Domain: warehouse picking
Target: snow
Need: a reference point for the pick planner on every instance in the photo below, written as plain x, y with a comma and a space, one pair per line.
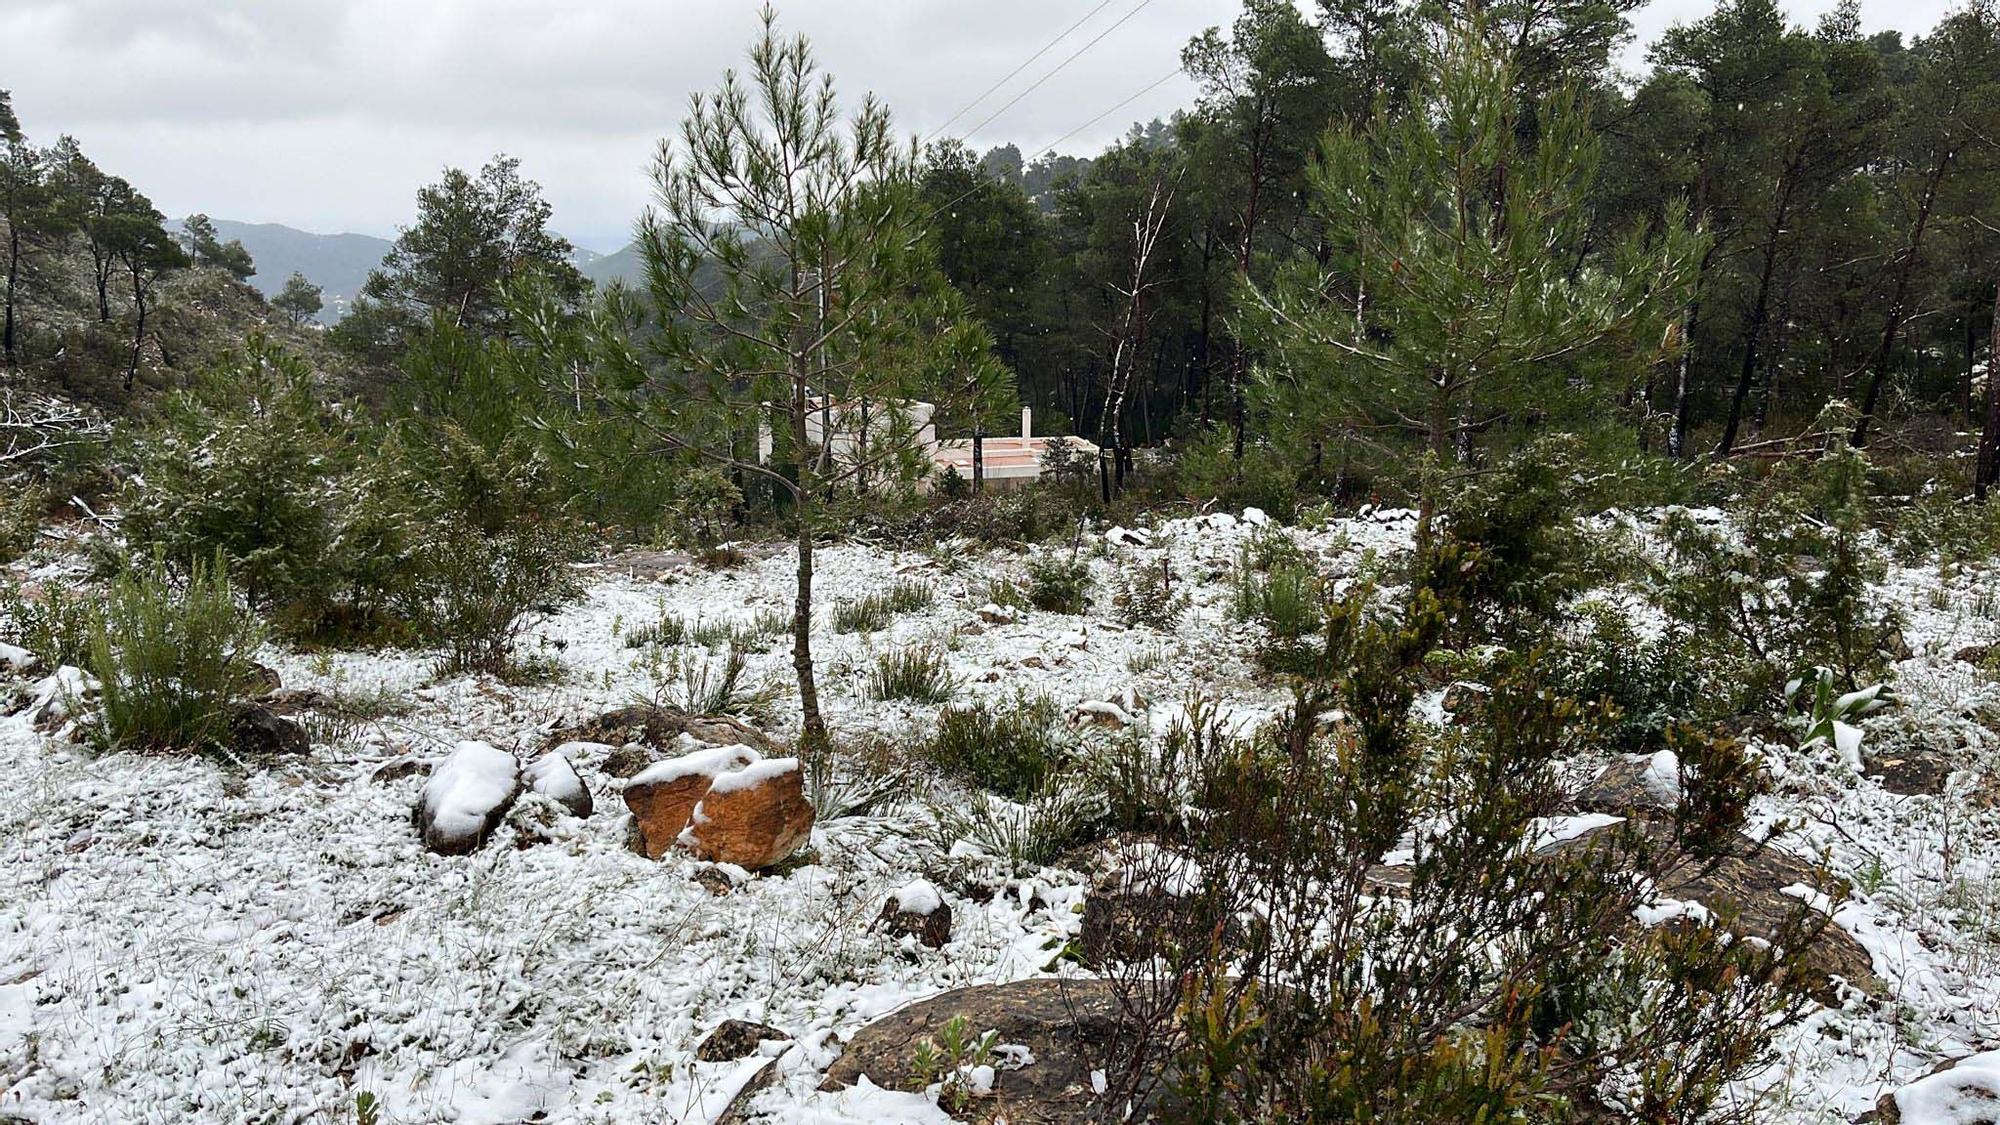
16, 657
187, 940
917, 897
754, 774
464, 791
553, 777
710, 762
1967, 1094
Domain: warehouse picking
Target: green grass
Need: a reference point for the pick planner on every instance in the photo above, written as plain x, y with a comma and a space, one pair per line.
920, 674
866, 615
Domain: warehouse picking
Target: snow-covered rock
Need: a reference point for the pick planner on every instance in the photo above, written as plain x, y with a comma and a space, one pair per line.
663, 796
553, 776
466, 797
67, 693
14, 658
752, 817
917, 910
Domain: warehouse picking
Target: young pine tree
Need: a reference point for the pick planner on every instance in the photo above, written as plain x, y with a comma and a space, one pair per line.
1457, 293
792, 284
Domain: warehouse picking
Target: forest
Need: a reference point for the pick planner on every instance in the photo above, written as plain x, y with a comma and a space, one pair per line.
1446, 581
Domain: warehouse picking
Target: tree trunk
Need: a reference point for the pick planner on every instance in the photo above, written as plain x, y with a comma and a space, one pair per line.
1989, 437
1898, 306
138, 328
14, 288
1760, 310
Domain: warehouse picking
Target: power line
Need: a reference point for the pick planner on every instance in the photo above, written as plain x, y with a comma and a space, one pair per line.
1149, 88
1046, 47
1037, 83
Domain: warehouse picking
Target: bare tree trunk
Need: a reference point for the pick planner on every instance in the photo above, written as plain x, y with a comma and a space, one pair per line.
1760, 311
813, 739
138, 328
13, 290
1989, 436
1898, 307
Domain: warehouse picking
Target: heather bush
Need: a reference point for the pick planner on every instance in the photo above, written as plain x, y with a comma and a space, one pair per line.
1012, 747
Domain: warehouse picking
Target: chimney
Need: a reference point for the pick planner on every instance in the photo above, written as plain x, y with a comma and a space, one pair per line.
1027, 424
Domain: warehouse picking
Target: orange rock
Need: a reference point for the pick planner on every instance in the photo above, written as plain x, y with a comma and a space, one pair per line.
663, 796
752, 817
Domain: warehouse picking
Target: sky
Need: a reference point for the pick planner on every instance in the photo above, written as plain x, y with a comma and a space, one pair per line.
328, 114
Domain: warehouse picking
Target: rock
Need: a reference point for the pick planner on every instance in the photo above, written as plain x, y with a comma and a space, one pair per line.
18, 660
1256, 517
1973, 654
1069, 1027
398, 768
554, 777
1464, 701
628, 760
663, 796
257, 731
466, 797
1135, 909
736, 1039
1896, 646
63, 695
660, 727
1750, 885
1639, 786
262, 680
1958, 1092
918, 911
715, 881
995, 614
1101, 713
752, 817
1910, 771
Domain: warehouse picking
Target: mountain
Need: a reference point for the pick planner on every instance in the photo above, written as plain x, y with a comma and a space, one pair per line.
337, 263
624, 266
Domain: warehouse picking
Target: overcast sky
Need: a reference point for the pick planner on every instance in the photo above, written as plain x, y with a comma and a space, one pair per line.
328, 114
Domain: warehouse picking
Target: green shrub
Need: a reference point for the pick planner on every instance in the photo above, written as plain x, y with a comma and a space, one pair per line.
57, 628
174, 657
1058, 583
22, 505
1147, 596
473, 593
1021, 836
710, 682
1787, 591
920, 674
1012, 748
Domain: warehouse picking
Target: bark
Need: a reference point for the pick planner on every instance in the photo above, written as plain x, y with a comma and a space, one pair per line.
138, 326
1989, 436
1899, 305
1760, 311
13, 290
813, 739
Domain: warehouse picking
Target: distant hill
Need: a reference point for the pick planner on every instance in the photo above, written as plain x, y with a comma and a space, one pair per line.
623, 266
337, 263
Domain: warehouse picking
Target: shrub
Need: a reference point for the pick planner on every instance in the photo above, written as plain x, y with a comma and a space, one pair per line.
57, 628
1059, 584
247, 464
870, 613
1504, 984
1788, 591
1146, 596
495, 555
1011, 749
1020, 836
700, 505
920, 674
174, 658
711, 683
1651, 682
22, 505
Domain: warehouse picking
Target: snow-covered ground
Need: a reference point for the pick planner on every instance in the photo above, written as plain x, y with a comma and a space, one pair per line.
182, 940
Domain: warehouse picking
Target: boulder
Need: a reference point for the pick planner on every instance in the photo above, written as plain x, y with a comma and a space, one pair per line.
1069, 1028
1638, 786
663, 796
918, 911
1910, 770
258, 731
263, 680
1973, 654
751, 817
736, 1039
1958, 1092
400, 767
1756, 888
627, 760
995, 614
554, 777
466, 797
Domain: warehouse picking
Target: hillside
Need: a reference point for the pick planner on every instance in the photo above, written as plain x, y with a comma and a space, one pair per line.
337, 263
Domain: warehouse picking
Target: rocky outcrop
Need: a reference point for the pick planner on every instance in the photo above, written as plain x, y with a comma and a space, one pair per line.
660, 728
466, 797
1639, 786
1070, 1028
751, 817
